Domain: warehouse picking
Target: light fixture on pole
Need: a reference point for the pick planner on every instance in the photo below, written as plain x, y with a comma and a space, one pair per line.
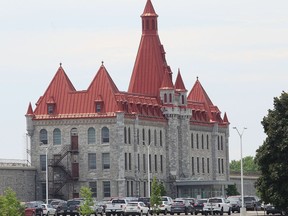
243, 209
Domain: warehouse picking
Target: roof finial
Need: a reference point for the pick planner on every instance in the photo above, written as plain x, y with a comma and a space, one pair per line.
197, 78
102, 62
60, 64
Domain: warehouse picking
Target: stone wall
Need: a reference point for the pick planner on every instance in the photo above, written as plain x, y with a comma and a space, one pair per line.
20, 179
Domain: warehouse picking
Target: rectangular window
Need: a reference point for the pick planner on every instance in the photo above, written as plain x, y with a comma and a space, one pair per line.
155, 163
198, 169
144, 188
197, 141
192, 164
222, 164
125, 160
106, 160
208, 165
130, 161
192, 140
106, 189
219, 166
150, 163
138, 136
98, 107
43, 162
93, 187
203, 165
138, 162
161, 141
132, 188
43, 189
91, 161
127, 188
144, 163
161, 163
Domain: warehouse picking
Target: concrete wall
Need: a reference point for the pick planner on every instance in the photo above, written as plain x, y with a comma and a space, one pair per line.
248, 183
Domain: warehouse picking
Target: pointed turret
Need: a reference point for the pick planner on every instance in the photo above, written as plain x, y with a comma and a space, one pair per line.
150, 64
29, 110
181, 90
225, 118
179, 84
29, 122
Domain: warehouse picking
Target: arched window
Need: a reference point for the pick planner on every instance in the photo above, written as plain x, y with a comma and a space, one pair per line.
161, 138
149, 137
165, 98
155, 137
192, 140
218, 138
43, 136
105, 135
91, 136
129, 135
147, 25
221, 142
170, 98
143, 136
125, 135
183, 99
57, 136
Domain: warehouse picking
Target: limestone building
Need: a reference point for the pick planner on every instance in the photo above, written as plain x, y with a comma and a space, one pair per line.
100, 137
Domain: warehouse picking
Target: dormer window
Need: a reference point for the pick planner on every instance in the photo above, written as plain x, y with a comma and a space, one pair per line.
50, 108
51, 105
98, 107
99, 103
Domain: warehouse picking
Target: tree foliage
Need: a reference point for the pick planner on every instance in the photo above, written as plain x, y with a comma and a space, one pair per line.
249, 165
10, 205
272, 156
231, 190
162, 189
155, 197
86, 194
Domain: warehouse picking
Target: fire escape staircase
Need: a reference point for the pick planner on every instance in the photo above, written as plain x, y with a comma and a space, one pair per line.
64, 174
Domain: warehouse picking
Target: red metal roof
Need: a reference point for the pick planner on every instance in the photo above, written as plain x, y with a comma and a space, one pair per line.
179, 84
150, 64
150, 73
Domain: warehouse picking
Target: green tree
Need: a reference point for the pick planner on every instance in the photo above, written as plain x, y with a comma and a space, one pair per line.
86, 194
271, 157
9, 204
162, 189
231, 190
155, 197
249, 165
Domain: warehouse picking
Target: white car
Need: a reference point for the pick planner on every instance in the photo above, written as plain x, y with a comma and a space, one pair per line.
136, 208
217, 205
48, 210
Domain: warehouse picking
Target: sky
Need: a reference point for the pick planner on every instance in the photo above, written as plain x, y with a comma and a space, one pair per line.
238, 49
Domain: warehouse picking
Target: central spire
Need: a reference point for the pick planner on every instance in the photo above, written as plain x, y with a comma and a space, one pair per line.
149, 19
150, 64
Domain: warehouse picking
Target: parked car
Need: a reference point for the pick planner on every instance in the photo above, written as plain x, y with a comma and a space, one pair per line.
33, 209
252, 203
71, 207
116, 206
270, 209
198, 205
235, 202
98, 209
48, 210
57, 204
181, 206
145, 200
217, 205
136, 208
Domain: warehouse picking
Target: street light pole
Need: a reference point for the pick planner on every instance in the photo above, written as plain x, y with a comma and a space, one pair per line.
47, 175
243, 209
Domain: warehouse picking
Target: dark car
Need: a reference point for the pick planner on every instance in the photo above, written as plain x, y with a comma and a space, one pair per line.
252, 203
33, 209
270, 209
181, 206
198, 205
71, 207
145, 200
235, 202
